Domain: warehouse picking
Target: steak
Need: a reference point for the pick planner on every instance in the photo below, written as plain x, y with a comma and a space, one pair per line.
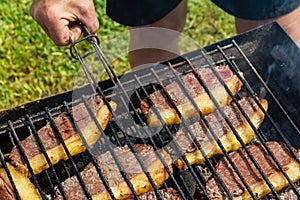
251, 174
69, 134
26, 189
224, 133
289, 194
115, 179
167, 194
196, 91
6, 192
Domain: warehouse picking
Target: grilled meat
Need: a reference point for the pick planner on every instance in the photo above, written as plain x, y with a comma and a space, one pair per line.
289, 194
26, 189
251, 174
196, 91
71, 138
113, 175
167, 194
221, 129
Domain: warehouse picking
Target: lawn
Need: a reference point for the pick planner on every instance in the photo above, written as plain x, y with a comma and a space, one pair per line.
32, 67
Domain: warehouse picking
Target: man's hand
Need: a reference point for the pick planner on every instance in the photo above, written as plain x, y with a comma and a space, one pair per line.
57, 18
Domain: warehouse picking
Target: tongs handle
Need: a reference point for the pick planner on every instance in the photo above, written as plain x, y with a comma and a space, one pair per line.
94, 40
88, 36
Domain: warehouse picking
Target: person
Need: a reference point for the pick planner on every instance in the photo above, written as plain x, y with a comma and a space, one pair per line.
155, 26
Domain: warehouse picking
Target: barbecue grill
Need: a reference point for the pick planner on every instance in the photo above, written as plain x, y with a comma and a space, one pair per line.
268, 59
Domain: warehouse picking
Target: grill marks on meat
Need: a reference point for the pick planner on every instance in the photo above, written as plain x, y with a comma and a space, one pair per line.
69, 134
167, 194
289, 194
26, 189
196, 91
221, 129
251, 174
6, 192
114, 178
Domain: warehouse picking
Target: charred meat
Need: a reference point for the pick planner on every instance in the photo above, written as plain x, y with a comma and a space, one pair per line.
222, 130
167, 194
251, 174
114, 177
69, 134
26, 189
197, 92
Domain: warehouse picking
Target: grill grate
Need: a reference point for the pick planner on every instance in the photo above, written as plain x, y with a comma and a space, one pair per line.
242, 53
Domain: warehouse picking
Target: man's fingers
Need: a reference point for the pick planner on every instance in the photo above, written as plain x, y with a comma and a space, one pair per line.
93, 25
87, 15
75, 31
59, 33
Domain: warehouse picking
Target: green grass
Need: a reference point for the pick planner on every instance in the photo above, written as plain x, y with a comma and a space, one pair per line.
32, 67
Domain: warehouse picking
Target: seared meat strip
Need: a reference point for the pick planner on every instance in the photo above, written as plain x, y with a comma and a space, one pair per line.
72, 139
167, 194
5, 191
251, 174
25, 188
289, 194
221, 129
196, 91
114, 178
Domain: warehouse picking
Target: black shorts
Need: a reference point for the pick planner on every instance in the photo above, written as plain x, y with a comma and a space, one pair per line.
143, 12
257, 9
139, 12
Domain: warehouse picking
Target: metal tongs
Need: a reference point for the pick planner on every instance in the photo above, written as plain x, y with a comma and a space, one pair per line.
95, 42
